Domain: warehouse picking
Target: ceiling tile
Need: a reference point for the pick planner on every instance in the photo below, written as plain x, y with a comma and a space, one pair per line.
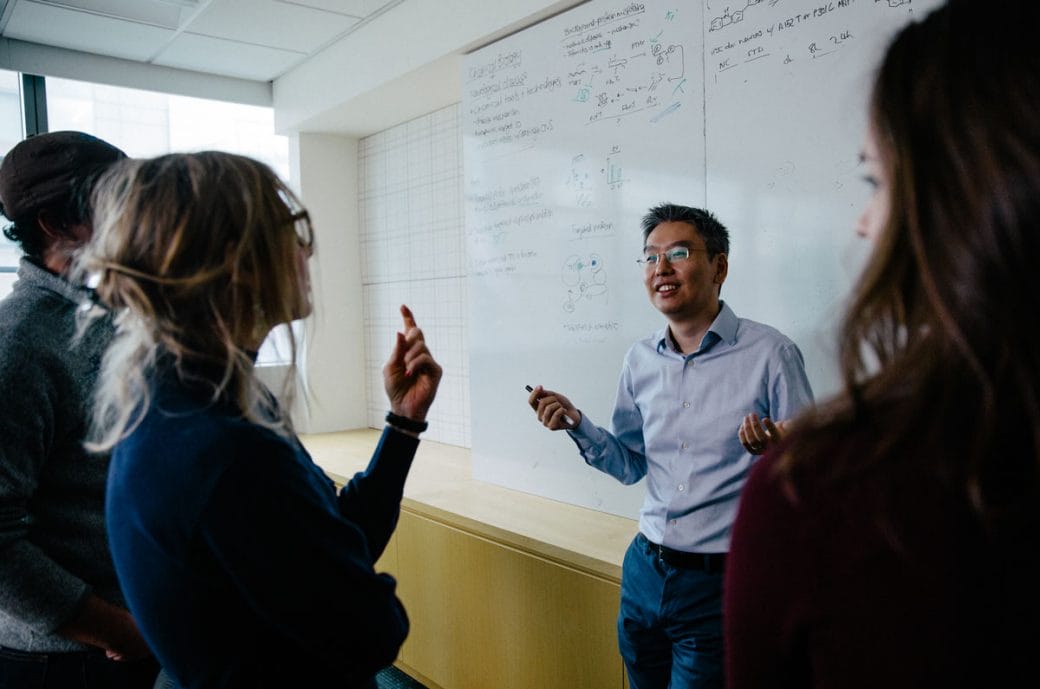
155, 12
353, 8
229, 58
76, 30
270, 23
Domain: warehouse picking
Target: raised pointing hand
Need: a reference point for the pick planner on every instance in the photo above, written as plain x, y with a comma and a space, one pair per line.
411, 375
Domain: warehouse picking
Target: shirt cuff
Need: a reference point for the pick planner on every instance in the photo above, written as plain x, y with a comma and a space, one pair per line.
586, 435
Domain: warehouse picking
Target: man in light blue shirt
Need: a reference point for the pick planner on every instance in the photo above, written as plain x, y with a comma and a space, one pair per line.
683, 394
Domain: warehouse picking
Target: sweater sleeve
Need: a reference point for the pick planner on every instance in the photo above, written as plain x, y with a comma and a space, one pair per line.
767, 588
372, 499
34, 588
303, 568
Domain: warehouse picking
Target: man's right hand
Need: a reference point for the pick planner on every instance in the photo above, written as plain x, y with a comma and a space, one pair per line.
554, 411
109, 627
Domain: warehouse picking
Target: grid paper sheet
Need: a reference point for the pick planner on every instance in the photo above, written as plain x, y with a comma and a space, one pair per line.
413, 252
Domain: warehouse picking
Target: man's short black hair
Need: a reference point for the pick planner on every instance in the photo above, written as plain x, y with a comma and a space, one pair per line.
714, 233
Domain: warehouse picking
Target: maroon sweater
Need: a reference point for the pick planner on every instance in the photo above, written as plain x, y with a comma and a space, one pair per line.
821, 593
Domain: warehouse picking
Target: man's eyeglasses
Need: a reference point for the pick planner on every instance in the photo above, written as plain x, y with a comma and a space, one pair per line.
676, 255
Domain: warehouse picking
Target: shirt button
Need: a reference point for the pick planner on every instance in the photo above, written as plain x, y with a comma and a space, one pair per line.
681, 487
685, 405
685, 445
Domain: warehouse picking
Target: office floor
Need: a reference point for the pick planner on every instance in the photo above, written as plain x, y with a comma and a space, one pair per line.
392, 678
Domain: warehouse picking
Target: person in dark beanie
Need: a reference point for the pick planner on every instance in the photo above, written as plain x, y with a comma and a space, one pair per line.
63, 620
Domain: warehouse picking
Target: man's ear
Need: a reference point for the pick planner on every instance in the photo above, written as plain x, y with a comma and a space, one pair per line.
51, 225
721, 268
61, 240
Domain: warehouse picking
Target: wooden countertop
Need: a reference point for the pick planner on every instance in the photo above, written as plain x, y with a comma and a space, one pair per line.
440, 487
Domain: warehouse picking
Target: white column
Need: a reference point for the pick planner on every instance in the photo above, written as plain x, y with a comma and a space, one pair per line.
324, 172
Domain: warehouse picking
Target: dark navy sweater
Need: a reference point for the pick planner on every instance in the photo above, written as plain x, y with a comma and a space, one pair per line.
241, 563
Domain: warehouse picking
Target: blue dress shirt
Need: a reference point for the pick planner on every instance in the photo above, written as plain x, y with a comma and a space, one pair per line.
676, 418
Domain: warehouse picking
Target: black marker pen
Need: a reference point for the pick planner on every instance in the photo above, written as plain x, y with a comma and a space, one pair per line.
567, 419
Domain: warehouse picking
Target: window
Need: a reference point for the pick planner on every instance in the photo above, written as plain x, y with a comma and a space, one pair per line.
146, 124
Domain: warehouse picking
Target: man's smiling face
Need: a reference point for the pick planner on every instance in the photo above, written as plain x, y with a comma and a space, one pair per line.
687, 289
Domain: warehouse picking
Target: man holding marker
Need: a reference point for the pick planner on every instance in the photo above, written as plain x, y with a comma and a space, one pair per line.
683, 394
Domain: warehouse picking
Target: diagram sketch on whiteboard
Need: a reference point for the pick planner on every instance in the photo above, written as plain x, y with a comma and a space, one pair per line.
584, 278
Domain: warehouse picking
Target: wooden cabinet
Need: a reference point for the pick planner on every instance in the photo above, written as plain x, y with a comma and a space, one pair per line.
503, 590
487, 615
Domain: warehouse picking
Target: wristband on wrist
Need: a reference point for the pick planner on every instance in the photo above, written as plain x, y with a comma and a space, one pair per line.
406, 424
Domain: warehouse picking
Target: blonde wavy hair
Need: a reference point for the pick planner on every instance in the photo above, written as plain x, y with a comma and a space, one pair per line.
195, 255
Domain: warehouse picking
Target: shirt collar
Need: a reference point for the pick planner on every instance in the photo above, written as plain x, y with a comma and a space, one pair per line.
723, 328
32, 271
725, 324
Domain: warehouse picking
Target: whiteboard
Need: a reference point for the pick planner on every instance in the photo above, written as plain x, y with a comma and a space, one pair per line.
574, 127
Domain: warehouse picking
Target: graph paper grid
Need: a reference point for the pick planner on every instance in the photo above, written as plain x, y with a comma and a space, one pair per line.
413, 252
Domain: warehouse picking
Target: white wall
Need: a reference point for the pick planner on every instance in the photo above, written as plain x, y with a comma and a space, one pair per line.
324, 170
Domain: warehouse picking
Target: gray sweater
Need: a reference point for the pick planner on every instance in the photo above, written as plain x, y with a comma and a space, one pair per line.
53, 547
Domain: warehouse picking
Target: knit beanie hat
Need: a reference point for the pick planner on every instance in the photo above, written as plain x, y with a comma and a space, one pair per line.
44, 170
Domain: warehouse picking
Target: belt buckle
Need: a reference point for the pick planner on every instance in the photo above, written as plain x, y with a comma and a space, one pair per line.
666, 555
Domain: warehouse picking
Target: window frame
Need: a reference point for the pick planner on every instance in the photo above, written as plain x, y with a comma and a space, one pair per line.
33, 121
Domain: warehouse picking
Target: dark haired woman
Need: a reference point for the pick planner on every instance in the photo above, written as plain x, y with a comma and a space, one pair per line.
893, 539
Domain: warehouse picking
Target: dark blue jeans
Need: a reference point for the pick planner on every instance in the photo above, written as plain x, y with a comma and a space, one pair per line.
85, 670
670, 623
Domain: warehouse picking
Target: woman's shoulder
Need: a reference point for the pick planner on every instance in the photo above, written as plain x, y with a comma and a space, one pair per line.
793, 484
179, 454
186, 424
196, 435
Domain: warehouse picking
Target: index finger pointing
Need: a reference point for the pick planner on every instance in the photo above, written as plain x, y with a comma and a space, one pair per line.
406, 315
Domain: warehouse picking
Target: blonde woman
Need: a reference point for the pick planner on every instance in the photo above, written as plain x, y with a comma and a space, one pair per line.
242, 564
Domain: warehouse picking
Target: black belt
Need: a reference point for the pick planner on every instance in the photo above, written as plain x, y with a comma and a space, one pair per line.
707, 562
